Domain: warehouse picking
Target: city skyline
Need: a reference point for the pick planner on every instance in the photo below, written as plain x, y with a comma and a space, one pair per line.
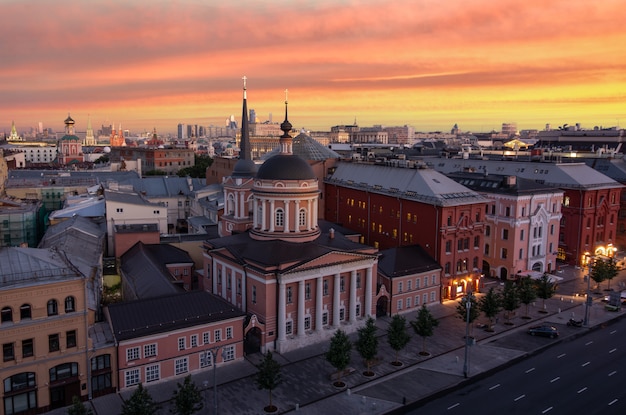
426, 64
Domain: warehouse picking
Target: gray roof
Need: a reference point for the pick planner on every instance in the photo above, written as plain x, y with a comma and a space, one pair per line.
91, 207
497, 184
145, 317
164, 186
613, 168
424, 185
144, 269
22, 178
406, 260
563, 175
23, 267
307, 148
127, 197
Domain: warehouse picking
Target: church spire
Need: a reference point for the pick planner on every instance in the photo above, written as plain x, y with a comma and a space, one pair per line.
244, 146
90, 139
285, 140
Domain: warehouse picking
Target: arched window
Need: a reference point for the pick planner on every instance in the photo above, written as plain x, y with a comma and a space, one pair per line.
280, 217
7, 315
53, 308
70, 304
20, 393
25, 312
302, 217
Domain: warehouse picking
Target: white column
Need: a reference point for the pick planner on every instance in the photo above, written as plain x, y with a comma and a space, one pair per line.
264, 215
315, 207
301, 308
281, 311
272, 216
309, 216
255, 213
368, 292
319, 300
286, 227
214, 277
353, 297
297, 216
243, 291
336, 293
241, 207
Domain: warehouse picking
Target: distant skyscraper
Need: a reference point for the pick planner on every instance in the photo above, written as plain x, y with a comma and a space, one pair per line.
40, 127
252, 115
182, 131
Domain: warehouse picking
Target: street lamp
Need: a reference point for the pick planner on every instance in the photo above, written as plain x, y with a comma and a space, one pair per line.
213, 351
589, 300
468, 309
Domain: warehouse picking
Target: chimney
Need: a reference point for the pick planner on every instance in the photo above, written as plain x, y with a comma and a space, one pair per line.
331, 233
510, 181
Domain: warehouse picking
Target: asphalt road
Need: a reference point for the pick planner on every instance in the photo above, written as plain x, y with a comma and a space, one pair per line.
581, 376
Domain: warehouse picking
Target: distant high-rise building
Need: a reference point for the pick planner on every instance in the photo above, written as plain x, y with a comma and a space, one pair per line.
40, 127
252, 115
182, 131
510, 129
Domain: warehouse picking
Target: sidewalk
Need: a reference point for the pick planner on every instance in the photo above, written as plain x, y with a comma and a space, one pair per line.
307, 388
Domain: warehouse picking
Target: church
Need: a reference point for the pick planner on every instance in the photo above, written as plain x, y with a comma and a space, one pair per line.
297, 278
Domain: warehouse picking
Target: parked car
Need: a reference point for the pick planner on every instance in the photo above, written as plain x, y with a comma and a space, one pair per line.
622, 297
544, 330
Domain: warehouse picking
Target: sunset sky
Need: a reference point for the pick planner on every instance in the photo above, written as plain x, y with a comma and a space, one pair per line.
425, 63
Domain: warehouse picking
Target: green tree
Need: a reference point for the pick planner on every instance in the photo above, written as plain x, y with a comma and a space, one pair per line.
604, 271
268, 376
527, 292
198, 170
510, 300
545, 288
490, 304
397, 335
187, 398
78, 407
367, 343
424, 326
139, 403
461, 309
338, 354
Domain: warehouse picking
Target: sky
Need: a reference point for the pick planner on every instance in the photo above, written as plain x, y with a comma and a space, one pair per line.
429, 64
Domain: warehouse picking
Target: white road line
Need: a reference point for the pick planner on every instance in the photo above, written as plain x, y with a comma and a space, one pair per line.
588, 343
555, 379
585, 364
530, 370
612, 373
613, 332
453, 406
560, 356
546, 410
612, 350
613, 401
519, 397
582, 390
494, 387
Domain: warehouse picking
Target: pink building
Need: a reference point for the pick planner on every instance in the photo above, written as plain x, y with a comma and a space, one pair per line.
171, 336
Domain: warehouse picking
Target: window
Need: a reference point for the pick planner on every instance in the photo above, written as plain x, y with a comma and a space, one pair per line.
417, 300
131, 377
504, 253
25, 312
307, 291
53, 342
289, 295
432, 296
424, 298
358, 281
302, 217
399, 304
217, 335
193, 339
434, 280
505, 234
181, 343
254, 294
229, 353
119, 210
476, 241
206, 337
7, 315
20, 393
400, 286
289, 327
307, 323
206, 359
521, 253
342, 284
507, 211
70, 304
408, 302
425, 281
325, 318
487, 230
181, 366
417, 280
132, 353
27, 348
8, 352
357, 310
70, 338
342, 314
280, 217
521, 235
150, 350
325, 287
153, 373
53, 309
408, 285
486, 249
229, 332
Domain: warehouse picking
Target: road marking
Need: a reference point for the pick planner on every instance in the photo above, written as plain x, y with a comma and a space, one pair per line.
546, 410
612, 350
613, 332
560, 356
530, 370
453, 406
612, 402
519, 397
494, 387
555, 379
585, 364
612, 373
588, 343
582, 390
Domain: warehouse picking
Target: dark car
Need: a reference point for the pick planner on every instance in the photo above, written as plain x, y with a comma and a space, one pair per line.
544, 330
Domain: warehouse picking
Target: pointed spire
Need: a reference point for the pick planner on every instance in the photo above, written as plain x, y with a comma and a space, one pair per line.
244, 146
285, 139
